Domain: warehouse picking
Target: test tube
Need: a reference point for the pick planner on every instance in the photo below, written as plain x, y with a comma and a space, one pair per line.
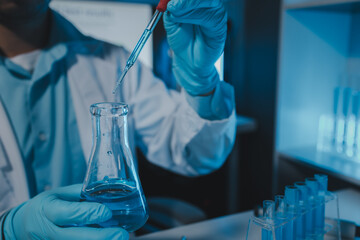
280, 213
323, 185
352, 124
350, 136
346, 110
355, 105
355, 111
292, 201
336, 111
306, 214
313, 186
268, 213
342, 98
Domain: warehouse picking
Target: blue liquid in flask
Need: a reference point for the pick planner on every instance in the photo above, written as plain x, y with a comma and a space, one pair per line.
125, 201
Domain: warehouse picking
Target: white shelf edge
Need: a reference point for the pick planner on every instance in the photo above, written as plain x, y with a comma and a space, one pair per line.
288, 155
318, 3
245, 124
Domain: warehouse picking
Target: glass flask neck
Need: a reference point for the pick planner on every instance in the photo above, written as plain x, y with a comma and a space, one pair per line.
109, 123
110, 130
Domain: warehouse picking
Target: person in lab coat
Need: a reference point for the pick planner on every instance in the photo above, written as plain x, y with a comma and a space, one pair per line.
49, 76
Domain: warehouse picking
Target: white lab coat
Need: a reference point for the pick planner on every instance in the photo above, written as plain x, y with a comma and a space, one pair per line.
160, 121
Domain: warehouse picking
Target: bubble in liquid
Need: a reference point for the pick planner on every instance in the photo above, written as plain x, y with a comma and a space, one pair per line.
109, 153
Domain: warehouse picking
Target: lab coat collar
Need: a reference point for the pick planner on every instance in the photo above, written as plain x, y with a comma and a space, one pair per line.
63, 32
60, 33
47, 59
18, 70
63, 35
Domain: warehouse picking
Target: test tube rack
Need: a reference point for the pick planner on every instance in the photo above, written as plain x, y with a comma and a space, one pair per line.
299, 214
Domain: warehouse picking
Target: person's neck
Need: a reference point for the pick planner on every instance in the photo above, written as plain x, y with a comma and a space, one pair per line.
16, 40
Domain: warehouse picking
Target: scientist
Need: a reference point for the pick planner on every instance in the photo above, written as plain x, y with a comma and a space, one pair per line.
49, 76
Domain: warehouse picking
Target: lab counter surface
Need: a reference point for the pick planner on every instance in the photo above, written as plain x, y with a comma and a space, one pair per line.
235, 226
225, 228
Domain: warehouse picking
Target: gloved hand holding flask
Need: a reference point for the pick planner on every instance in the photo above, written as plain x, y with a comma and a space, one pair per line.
51, 215
196, 32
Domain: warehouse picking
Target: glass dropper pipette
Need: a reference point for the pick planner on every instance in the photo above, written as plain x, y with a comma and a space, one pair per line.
160, 9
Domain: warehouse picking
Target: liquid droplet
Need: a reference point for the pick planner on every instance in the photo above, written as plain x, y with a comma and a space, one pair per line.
106, 179
109, 153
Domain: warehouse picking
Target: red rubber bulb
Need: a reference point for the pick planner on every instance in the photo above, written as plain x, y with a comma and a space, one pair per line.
161, 7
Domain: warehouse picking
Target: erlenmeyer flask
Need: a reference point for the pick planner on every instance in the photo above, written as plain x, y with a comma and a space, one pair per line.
111, 177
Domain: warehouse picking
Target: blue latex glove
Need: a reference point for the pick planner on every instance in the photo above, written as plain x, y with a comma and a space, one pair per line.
196, 32
44, 217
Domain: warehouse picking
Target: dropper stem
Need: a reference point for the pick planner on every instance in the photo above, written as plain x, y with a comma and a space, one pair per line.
154, 20
121, 78
143, 39
139, 46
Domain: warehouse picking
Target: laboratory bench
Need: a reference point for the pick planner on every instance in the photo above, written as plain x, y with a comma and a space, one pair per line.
235, 226
225, 228
335, 5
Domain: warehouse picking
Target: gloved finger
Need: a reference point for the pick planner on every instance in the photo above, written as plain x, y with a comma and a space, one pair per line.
174, 29
179, 7
87, 233
214, 18
63, 213
69, 193
213, 22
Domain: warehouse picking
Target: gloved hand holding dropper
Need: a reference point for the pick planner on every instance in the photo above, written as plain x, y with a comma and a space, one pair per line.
160, 9
196, 32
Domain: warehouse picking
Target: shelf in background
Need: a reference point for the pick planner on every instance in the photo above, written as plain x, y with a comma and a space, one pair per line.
245, 124
328, 5
335, 165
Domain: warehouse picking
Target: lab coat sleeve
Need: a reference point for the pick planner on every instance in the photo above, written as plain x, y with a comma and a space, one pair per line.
216, 106
2, 220
170, 132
